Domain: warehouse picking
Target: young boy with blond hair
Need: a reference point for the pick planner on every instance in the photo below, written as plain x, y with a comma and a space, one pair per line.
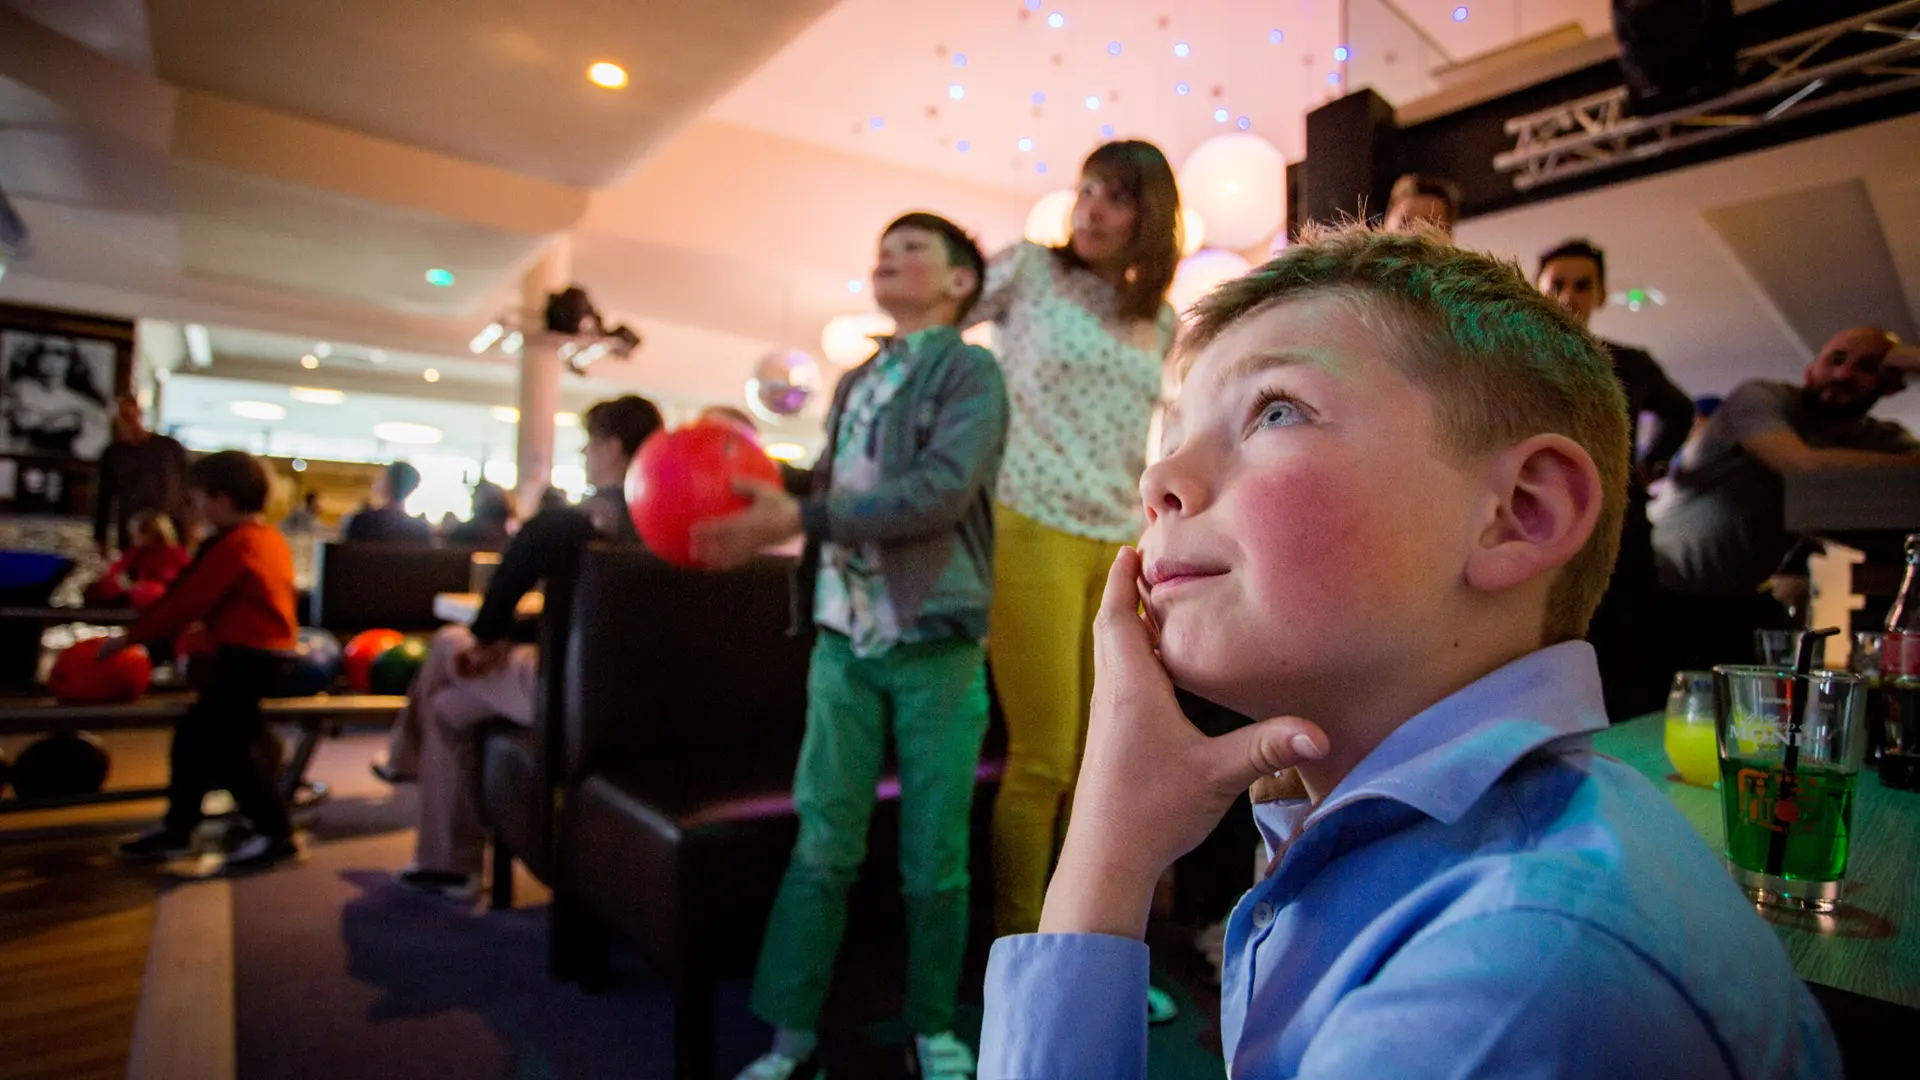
1390, 501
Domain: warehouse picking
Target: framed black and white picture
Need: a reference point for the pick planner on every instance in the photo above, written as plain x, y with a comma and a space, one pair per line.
56, 395
60, 372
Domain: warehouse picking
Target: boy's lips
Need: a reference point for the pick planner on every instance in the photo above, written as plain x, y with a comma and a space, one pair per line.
1162, 573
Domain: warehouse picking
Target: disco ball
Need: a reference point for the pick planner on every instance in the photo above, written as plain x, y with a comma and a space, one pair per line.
782, 383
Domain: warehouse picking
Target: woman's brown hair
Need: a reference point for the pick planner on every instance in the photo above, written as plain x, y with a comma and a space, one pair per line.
1141, 170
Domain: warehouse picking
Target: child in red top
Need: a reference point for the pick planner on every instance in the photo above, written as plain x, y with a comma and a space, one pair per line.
240, 586
154, 560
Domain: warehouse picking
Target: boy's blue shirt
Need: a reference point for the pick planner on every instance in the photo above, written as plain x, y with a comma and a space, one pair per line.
1483, 896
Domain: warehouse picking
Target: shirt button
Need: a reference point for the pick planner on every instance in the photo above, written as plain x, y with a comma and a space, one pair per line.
1262, 915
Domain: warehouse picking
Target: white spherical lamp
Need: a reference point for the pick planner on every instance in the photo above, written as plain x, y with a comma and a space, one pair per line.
848, 339
1238, 183
1050, 222
1199, 273
1193, 231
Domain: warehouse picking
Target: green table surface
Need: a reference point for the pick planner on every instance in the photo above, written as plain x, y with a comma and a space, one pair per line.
1871, 945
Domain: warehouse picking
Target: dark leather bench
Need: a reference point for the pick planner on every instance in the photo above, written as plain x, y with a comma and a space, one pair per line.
364, 586
673, 735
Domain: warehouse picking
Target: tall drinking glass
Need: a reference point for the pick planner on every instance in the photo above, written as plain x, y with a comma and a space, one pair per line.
1790, 750
1690, 737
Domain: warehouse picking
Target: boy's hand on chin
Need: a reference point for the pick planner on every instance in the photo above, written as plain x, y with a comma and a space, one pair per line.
1152, 786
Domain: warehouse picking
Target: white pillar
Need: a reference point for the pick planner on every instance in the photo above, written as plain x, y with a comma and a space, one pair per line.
539, 375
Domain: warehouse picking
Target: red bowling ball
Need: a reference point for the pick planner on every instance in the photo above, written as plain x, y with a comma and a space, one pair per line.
362, 651
683, 477
80, 677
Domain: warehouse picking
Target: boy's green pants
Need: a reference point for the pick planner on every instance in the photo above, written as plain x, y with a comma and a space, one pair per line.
935, 696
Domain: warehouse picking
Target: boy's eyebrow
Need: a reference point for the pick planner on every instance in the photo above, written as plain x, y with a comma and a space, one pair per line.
1249, 364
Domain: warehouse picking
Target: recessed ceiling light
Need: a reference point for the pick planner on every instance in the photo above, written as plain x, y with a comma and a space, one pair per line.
876, 123
854, 285
1333, 78
1180, 48
506, 414
378, 356
1276, 37
1220, 116
1025, 145
1040, 166
1056, 20
607, 74
1106, 131
1182, 89
959, 59
1038, 98
309, 361
1340, 53
956, 91
1243, 123
431, 374
258, 410
400, 431
323, 350
439, 278
1113, 48
1093, 101
316, 395
566, 419
1460, 14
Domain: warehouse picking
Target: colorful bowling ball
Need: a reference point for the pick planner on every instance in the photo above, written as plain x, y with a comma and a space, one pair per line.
362, 651
393, 672
145, 594
61, 766
683, 477
80, 677
315, 665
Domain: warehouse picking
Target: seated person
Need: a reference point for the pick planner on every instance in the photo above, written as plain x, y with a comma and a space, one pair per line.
240, 587
386, 521
475, 674
491, 523
1719, 523
155, 557
1344, 539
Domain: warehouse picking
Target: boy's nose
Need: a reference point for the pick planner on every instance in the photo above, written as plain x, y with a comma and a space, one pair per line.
1167, 489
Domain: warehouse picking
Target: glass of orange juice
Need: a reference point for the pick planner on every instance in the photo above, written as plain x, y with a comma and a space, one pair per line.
1690, 735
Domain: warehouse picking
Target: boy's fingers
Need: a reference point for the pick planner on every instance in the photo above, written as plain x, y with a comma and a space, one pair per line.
1239, 758
754, 488
1118, 621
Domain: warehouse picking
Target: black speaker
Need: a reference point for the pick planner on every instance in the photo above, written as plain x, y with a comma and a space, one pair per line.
1674, 52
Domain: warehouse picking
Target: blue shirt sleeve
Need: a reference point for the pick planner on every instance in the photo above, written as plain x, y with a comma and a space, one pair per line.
1065, 1005
1514, 994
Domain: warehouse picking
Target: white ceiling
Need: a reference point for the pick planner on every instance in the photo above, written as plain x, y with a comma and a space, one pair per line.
285, 173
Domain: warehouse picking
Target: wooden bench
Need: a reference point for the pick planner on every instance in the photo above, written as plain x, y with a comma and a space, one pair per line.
38, 716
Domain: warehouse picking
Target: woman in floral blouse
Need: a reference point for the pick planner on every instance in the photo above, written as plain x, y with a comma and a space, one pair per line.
1082, 332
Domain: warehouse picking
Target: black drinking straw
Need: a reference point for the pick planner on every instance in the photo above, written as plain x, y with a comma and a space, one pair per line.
1796, 715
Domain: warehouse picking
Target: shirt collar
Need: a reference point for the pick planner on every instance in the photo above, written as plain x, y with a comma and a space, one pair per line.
915, 342
1446, 757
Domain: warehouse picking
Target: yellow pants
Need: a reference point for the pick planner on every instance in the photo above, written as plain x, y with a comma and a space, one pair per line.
1046, 587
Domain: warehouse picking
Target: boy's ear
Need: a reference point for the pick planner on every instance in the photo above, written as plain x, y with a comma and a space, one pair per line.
1547, 500
960, 282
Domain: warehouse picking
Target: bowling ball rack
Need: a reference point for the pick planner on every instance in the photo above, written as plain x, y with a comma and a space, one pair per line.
310, 715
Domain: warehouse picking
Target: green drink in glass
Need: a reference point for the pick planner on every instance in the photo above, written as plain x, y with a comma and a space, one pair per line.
1790, 751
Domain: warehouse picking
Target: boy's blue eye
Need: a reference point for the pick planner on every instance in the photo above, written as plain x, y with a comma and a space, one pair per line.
1280, 413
